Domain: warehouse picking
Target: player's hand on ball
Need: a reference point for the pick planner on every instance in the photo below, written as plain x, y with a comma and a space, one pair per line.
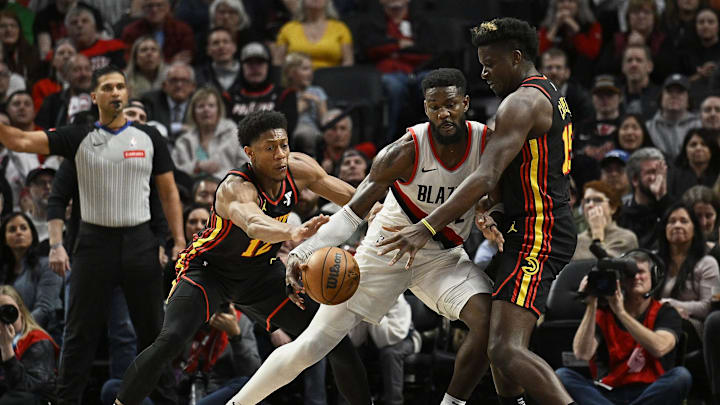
489, 229
309, 228
293, 272
408, 239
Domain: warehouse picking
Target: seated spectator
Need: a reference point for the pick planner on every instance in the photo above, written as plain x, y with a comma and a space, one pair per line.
210, 147
697, 163
678, 21
640, 95
647, 172
571, 26
554, 65
631, 346
16, 166
335, 140
641, 19
21, 57
352, 169
144, 69
222, 71
613, 172
691, 272
710, 112
231, 15
83, 32
395, 339
60, 108
10, 82
195, 217
49, 25
29, 355
632, 134
705, 204
26, 270
674, 118
174, 36
203, 192
169, 106
699, 57
259, 89
297, 75
316, 31
236, 357
20, 111
39, 182
55, 81
396, 45
594, 137
135, 111
600, 205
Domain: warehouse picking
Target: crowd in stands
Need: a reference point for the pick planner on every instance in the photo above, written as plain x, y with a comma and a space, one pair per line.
641, 78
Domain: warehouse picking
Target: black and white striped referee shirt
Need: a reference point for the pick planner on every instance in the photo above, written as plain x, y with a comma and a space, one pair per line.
113, 169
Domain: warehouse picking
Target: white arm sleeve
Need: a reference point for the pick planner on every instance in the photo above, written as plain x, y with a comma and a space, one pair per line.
341, 226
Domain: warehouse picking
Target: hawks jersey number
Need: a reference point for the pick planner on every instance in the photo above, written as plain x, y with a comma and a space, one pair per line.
252, 249
567, 143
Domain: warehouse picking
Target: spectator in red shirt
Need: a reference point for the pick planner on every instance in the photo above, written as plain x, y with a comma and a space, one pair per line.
392, 43
174, 36
64, 50
82, 30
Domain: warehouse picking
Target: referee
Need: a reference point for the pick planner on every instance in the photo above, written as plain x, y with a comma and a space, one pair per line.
115, 161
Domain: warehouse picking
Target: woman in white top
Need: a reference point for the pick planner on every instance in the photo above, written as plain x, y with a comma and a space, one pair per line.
211, 146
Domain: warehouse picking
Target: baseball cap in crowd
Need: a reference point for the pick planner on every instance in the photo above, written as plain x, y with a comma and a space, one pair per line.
676, 79
605, 83
34, 173
615, 155
254, 50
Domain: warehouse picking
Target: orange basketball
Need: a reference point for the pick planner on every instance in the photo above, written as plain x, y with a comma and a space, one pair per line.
332, 276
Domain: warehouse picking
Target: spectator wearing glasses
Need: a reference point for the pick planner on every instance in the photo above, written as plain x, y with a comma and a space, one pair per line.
169, 106
600, 205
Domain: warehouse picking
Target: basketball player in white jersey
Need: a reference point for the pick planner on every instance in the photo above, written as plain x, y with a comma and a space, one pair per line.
422, 169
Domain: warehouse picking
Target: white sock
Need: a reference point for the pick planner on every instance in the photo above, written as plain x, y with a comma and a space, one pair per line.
451, 400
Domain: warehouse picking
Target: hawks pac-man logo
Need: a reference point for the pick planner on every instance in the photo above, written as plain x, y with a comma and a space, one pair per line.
532, 266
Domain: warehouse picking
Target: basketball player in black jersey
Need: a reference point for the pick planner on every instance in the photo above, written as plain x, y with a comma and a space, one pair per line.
528, 158
233, 259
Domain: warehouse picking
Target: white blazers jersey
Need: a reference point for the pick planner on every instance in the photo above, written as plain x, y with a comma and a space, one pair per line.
432, 183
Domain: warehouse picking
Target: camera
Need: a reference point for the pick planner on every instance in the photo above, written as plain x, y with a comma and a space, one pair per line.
602, 279
8, 314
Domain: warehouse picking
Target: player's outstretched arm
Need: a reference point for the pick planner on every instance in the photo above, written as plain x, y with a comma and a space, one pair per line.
24, 141
393, 162
307, 172
238, 201
516, 117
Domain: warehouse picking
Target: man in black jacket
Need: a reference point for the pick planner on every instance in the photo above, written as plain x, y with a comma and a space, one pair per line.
648, 174
60, 108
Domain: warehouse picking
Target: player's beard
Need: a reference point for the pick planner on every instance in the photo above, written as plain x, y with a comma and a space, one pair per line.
457, 137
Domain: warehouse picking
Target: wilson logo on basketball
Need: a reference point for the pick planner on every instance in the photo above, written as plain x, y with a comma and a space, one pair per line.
332, 279
134, 154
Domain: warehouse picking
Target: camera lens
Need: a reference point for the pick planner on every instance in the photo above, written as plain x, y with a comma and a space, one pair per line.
8, 314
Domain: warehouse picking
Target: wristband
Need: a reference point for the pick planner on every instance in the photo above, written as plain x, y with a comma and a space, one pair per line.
55, 245
428, 226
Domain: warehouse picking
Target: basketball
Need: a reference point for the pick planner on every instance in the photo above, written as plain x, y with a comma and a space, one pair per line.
331, 276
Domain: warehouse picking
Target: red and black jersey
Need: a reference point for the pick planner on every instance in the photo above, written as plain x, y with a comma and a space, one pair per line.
226, 247
536, 183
